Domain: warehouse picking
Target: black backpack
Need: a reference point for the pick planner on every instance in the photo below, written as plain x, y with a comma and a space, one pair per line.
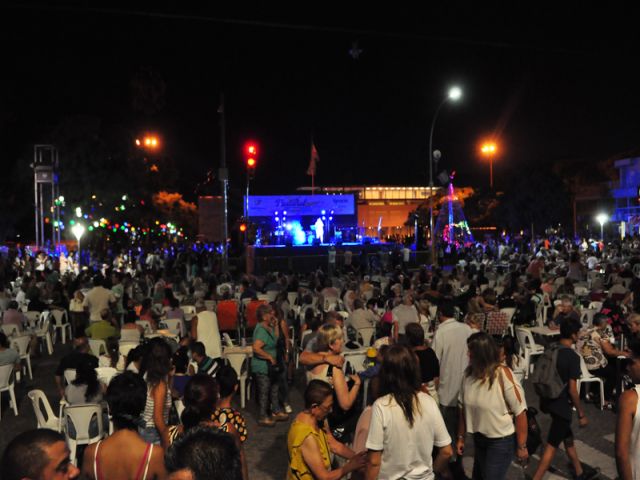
545, 378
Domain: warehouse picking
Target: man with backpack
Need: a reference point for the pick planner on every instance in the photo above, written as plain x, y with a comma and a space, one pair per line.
555, 380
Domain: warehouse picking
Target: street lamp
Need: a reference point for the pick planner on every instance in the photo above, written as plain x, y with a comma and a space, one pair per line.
489, 149
78, 231
454, 94
602, 218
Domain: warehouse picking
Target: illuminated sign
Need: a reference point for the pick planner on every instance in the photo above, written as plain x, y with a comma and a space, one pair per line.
300, 205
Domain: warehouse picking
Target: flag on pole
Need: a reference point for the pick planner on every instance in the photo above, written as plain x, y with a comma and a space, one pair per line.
315, 158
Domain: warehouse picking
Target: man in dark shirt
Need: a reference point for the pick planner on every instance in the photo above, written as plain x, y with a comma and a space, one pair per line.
560, 409
79, 356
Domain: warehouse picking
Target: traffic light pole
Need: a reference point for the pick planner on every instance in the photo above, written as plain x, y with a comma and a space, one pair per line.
224, 180
246, 211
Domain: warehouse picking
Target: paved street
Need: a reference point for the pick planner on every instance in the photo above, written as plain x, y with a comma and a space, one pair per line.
266, 448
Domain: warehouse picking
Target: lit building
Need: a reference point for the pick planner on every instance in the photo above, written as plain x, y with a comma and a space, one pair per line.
386, 207
627, 195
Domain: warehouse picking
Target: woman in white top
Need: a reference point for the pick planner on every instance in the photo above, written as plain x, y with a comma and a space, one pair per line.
405, 424
489, 399
628, 426
112, 358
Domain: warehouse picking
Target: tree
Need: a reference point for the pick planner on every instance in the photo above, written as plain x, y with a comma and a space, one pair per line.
535, 196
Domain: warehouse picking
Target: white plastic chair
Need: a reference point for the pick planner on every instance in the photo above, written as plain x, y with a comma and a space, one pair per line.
69, 375
43, 411
126, 347
189, 312
271, 295
81, 416
355, 359
529, 347
145, 324
32, 317
9, 329
587, 377
97, 346
130, 335
299, 348
367, 334
179, 406
61, 322
587, 316
237, 360
174, 325
292, 297
7, 385
43, 331
106, 374
22, 345
595, 305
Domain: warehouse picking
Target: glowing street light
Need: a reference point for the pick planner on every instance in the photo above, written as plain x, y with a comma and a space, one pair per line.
149, 142
489, 150
602, 218
78, 231
454, 94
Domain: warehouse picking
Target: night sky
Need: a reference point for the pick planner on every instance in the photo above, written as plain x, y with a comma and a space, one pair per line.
550, 84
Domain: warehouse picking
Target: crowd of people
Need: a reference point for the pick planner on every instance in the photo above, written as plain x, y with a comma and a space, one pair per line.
402, 365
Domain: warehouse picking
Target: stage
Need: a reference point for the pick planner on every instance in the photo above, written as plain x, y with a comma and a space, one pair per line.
306, 258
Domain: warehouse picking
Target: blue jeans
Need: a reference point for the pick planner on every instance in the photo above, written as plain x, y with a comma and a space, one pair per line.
492, 456
267, 395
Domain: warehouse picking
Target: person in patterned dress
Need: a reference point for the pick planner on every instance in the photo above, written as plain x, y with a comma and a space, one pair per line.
225, 415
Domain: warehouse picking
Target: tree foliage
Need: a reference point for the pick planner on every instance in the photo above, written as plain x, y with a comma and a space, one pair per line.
535, 196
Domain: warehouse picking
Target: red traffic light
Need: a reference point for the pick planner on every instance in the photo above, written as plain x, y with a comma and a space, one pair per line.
243, 227
251, 149
251, 162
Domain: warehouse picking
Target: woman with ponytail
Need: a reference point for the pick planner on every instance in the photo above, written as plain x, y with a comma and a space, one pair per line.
124, 454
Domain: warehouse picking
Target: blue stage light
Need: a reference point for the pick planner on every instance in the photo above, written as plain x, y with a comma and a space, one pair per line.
323, 212
284, 213
277, 219
330, 218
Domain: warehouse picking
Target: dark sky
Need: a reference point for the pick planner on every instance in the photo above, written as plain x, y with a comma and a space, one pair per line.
552, 84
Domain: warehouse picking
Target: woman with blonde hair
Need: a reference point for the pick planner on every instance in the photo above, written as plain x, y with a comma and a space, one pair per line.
329, 342
490, 399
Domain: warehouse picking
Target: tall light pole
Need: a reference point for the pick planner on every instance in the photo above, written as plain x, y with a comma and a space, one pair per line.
454, 95
78, 231
602, 218
489, 149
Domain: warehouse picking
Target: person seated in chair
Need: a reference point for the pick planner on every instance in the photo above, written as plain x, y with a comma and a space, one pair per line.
206, 364
104, 328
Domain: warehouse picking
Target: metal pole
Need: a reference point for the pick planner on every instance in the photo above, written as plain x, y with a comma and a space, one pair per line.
433, 237
53, 215
224, 179
246, 212
41, 212
35, 212
491, 171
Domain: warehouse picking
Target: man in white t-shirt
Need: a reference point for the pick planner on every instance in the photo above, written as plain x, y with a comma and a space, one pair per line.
450, 345
97, 299
403, 315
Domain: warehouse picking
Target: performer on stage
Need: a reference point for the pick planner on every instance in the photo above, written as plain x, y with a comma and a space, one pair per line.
320, 230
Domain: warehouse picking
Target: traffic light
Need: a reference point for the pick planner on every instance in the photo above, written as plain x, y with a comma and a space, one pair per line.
251, 158
243, 227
